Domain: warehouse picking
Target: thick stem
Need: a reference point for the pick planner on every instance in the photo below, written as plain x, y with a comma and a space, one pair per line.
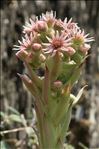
47, 131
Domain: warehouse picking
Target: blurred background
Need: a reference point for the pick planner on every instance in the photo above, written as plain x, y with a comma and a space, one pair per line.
84, 127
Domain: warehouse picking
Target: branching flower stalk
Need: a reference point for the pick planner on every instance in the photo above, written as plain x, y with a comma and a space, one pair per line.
59, 48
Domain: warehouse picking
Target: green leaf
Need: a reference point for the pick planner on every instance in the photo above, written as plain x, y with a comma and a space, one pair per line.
67, 71
69, 65
76, 99
77, 57
2, 114
13, 110
65, 123
29, 131
15, 118
59, 114
75, 75
83, 146
68, 146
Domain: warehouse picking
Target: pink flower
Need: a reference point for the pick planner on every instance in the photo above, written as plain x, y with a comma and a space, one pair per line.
49, 18
29, 27
58, 25
58, 42
50, 35
80, 37
70, 27
25, 43
35, 26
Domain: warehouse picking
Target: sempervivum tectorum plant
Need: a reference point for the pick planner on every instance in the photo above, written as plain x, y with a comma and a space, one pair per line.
59, 48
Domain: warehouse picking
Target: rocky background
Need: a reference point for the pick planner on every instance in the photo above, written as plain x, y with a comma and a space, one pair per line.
84, 126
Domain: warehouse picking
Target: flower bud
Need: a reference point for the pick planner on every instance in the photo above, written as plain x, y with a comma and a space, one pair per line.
70, 50
57, 84
22, 55
36, 47
84, 48
41, 26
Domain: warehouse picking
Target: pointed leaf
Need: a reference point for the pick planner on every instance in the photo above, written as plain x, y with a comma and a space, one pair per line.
59, 114
15, 118
29, 131
28, 83
2, 114
33, 75
75, 75
79, 95
77, 57
13, 110
67, 71
65, 123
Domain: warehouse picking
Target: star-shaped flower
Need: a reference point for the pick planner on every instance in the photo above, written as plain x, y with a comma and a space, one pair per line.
58, 42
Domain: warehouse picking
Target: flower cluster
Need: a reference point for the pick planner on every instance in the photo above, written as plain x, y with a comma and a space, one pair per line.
58, 48
50, 35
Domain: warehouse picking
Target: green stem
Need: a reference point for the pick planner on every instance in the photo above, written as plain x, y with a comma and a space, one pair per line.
33, 76
46, 86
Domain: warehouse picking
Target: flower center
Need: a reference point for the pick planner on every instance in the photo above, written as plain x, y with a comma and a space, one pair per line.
57, 43
78, 39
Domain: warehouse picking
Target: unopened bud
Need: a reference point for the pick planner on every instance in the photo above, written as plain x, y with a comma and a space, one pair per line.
36, 47
84, 48
41, 26
70, 50
57, 84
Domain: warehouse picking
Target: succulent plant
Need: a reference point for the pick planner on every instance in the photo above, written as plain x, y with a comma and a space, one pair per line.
59, 48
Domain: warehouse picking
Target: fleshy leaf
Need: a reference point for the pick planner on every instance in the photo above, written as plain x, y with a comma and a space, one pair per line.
77, 57
33, 75
13, 110
75, 75
2, 114
65, 123
59, 114
28, 83
67, 71
15, 118
29, 131
79, 95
